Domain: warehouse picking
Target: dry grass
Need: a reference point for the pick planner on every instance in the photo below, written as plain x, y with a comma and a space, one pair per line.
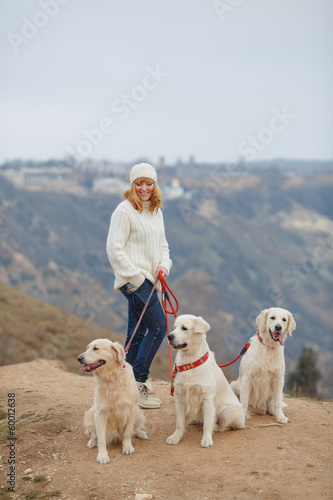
32, 329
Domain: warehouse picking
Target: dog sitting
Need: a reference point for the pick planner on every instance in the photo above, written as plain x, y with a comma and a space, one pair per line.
115, 415
261, 371
202, 392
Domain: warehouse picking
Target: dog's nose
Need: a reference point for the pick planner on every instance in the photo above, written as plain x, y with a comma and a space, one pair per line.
80, 358
278, 328
171, 336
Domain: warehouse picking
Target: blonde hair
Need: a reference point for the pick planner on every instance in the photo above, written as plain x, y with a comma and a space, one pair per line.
155, 200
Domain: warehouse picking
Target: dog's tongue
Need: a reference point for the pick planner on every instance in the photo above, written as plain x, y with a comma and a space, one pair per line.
92, 366
280, 339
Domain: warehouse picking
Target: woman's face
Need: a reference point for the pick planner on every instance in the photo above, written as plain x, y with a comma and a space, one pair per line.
144, 189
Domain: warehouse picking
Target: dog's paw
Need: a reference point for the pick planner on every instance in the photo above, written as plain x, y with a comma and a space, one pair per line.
92, 443
282, 419
103, 458
174, 439
128, 449
141, 435
207, 441
247, 416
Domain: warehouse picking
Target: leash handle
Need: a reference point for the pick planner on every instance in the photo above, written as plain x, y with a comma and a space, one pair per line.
165, 291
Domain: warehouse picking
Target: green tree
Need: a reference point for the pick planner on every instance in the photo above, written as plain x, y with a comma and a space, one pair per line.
304, 379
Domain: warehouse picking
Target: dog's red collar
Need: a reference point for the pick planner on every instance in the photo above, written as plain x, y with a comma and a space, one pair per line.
262, 342
189, 366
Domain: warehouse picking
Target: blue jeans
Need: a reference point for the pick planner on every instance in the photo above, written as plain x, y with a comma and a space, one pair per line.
150, 333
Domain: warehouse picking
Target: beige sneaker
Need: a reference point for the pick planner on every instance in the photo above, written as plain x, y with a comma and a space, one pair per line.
146, 401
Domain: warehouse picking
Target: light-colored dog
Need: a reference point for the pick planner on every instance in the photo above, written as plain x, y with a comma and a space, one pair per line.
115, 415
202, 393
261, 371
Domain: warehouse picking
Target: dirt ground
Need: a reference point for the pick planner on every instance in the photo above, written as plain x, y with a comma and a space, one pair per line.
264, 461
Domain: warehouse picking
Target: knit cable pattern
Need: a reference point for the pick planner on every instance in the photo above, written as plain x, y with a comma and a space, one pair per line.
136, 244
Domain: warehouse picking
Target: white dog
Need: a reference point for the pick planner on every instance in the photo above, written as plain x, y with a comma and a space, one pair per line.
115, 415
261, 372
201, 389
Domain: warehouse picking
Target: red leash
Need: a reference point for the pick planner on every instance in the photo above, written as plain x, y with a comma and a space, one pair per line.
166, 297
199, 362
243, 351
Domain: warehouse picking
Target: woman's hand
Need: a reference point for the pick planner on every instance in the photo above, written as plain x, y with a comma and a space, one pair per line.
164, 272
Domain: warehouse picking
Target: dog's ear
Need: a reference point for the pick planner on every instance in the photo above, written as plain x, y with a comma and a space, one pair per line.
200, 325
291, 324
261, 320
119, 352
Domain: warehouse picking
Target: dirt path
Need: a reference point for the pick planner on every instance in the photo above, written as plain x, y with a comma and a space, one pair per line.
264, 461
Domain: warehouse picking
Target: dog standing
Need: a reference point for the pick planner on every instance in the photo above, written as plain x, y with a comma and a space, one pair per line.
201, 389
261, 371
115, 415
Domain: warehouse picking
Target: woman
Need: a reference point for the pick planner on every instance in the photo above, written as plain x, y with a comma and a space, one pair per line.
138, 251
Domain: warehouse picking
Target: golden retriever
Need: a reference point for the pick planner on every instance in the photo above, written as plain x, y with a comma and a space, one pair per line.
261, 371
202, 393
115, 415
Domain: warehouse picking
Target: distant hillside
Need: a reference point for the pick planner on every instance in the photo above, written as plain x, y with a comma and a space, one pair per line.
239, 244
31, 329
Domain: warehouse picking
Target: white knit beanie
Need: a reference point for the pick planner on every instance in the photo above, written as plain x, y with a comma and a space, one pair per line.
143, 170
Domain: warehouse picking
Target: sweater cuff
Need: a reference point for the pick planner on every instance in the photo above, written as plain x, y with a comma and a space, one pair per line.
137, 280
166, 263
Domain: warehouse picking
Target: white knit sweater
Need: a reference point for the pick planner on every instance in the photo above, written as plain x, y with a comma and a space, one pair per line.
136, 244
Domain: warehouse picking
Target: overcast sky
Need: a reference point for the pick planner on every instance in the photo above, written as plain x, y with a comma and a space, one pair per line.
173, 78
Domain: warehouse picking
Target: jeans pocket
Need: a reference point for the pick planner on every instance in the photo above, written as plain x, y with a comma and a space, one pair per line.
130, 288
